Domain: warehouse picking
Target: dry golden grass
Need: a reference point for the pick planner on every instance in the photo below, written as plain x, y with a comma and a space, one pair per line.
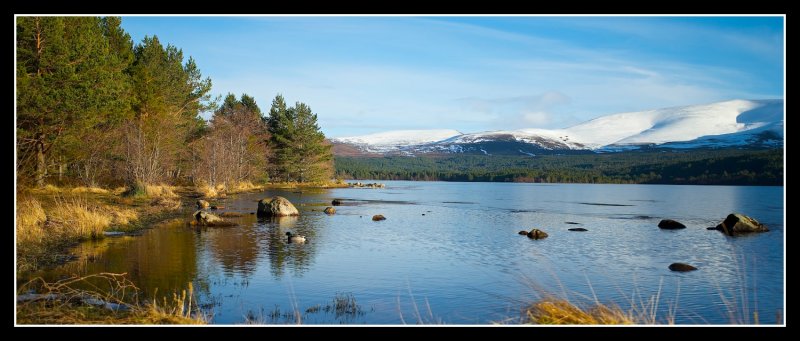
560, 311
95, 190
121, 216
67, 218
75, 218
207, 191
160, 191
295, 185
30, 224
244, 186
168, 203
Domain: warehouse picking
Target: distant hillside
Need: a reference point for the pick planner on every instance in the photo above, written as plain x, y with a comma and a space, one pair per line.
694, 166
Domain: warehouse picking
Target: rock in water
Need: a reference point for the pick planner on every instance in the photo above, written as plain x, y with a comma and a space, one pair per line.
276, 207
681, 267
669, 224
523, 232
578, 229
336, 202
330, 210
201, 204
537, 234
737, 223
208, 219
378, 217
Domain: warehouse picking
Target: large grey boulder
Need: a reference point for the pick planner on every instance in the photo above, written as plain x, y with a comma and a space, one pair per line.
737, 223
276, 207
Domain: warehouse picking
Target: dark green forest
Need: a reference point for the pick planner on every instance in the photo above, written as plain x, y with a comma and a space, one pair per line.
697, 167
95, 108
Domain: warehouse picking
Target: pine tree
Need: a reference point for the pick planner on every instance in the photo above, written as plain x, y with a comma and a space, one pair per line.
169, 97
280, 127
312, 153
68, 83
299, 147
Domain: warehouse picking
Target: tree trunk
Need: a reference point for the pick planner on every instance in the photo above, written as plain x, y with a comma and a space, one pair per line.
41, 166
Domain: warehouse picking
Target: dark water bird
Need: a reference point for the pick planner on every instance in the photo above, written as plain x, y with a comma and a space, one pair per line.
292, 238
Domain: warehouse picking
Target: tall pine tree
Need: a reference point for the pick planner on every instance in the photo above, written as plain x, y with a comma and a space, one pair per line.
68, 83
169, 98
299, 147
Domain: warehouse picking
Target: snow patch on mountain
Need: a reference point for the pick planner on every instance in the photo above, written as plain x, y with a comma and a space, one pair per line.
728, 123
396, 139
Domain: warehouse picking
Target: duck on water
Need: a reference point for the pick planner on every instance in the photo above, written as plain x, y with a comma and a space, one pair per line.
292, 238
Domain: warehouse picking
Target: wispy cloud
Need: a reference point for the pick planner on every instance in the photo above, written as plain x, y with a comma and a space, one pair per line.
367, 74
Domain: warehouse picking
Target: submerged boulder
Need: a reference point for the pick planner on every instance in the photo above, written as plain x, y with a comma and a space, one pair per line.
578, 229
336, 202
737, 223
537, 234
523, 232
276, 207
669, 224
207, 219
681, 267
330, 210
378, 217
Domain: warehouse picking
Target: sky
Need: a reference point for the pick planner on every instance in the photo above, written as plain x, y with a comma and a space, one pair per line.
364, 75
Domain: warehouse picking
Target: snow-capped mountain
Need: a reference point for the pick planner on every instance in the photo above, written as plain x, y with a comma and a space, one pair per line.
721, 124
396, 139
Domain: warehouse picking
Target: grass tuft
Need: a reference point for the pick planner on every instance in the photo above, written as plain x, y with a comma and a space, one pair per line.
93, 190
67, 219
160, 191
560, 311
207, 191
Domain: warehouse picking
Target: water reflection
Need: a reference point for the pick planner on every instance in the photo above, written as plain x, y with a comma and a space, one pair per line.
164, 258
462, 262
236, 249
281, 252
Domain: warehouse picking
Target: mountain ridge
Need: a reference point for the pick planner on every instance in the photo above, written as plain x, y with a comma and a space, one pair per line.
733, 123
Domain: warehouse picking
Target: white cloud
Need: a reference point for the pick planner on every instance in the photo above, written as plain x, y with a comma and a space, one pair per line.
537, 118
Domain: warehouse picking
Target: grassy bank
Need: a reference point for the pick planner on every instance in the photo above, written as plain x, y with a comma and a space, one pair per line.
51, 219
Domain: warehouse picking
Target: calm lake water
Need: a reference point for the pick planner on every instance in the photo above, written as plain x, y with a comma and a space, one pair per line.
450, 253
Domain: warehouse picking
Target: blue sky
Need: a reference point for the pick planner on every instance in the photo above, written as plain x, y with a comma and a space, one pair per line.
370, 74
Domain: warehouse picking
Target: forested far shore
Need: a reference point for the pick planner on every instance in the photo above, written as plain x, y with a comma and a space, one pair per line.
696, 167
95, 109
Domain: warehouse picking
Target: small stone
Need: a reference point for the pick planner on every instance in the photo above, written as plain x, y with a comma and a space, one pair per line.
669, 224
537, 234
681, 267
